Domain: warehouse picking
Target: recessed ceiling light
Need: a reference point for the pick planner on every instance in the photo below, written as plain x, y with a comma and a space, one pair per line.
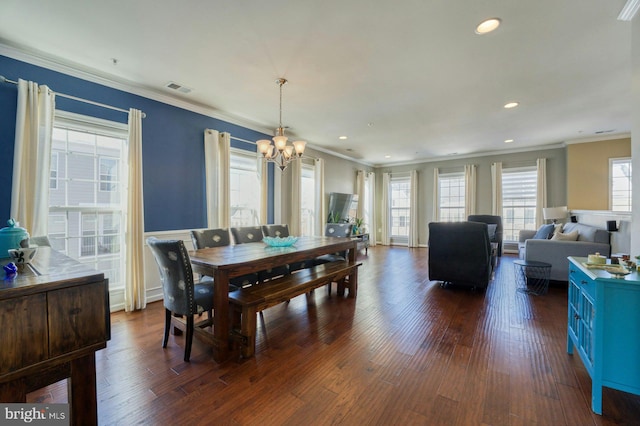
387, 156
511, 105
342, 137
487, 26
508, 140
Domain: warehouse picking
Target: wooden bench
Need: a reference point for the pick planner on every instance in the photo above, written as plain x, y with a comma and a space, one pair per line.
247, 302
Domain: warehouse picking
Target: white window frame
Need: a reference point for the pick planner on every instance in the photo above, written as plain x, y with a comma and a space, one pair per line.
526, 188
624, 181
53, 173
394, 236
247, 157
451, 208
69, 244
308, 206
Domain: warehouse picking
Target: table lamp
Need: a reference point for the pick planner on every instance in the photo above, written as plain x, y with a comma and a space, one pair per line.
554, 213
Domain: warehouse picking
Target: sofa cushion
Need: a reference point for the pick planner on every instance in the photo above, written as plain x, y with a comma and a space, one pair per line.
543, 232
587, 232
568, 236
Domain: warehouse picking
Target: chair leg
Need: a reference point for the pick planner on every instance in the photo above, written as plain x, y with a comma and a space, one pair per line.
167, 327
189, 340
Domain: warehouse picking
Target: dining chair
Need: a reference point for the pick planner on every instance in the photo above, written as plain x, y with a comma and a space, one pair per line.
336, 230
207, 238
181, 295
253, 234
275, 230
282, 231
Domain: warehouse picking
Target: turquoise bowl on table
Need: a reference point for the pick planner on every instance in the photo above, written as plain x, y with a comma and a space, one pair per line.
280, 242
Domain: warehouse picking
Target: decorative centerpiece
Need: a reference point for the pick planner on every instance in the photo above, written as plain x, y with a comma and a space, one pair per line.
280, 242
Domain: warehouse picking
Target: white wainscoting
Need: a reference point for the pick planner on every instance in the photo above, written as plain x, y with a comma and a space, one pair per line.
620, 239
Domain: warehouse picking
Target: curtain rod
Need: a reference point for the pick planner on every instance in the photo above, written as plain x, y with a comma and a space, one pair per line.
3, 79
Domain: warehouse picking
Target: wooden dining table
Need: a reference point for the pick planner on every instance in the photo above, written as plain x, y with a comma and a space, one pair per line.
223, 263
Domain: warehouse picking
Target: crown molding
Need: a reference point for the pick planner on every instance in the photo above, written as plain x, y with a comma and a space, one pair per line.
472, 155
43, 60
600, 138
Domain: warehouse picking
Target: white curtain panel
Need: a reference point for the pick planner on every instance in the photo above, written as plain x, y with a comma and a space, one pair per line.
496, 189
263, 170
135, 291
211, 175
295, 167
371, 207
386, 183
469, 189
360, 177
321, 212
436, 195
32, 157
413, 209
541, 190
217, 155
224, 180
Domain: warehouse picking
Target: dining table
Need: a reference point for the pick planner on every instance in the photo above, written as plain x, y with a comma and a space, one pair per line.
223, 263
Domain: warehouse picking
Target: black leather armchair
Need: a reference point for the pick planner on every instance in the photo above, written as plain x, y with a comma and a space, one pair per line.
460, 253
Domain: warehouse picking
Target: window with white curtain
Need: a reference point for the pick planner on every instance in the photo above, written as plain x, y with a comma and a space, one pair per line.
308, 202
367, 207
451, 197
245, 188
620, 184
518, 200
86, 204
399, 209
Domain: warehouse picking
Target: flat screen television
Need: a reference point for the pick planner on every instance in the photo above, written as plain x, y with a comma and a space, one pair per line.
342, 207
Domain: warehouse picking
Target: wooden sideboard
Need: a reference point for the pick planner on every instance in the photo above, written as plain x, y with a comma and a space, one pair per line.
54, 316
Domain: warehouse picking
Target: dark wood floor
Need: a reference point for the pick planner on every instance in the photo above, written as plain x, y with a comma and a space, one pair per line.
405, 352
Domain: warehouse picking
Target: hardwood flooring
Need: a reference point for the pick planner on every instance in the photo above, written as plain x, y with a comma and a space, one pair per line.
405, 352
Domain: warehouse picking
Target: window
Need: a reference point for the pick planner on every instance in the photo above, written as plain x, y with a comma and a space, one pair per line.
308, 201
245, 188
108, 173
451, 192
86, 205
399, 212
518, 201
620, 184
53, 174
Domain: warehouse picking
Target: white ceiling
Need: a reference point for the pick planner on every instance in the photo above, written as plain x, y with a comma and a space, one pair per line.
405, 78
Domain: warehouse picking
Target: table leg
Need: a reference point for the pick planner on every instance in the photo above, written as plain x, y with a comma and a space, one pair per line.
248, 330
82, 391
221, 316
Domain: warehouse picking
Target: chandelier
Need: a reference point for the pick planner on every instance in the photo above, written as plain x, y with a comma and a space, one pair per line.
280, 152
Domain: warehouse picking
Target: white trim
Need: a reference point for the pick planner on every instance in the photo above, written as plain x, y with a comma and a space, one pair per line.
76, 70
473, 155
599, 138
610, 189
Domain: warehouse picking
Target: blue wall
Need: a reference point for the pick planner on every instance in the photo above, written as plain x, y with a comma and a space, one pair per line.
172, 144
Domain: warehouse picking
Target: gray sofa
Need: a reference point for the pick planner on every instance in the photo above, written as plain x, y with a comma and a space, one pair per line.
590, 240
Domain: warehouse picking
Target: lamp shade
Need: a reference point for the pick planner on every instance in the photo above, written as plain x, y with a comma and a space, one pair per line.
553, 213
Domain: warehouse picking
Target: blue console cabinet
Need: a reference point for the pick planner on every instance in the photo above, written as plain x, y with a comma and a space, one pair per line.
604, 328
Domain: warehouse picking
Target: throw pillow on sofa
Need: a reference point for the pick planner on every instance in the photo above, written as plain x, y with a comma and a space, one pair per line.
569, 236
543, 232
